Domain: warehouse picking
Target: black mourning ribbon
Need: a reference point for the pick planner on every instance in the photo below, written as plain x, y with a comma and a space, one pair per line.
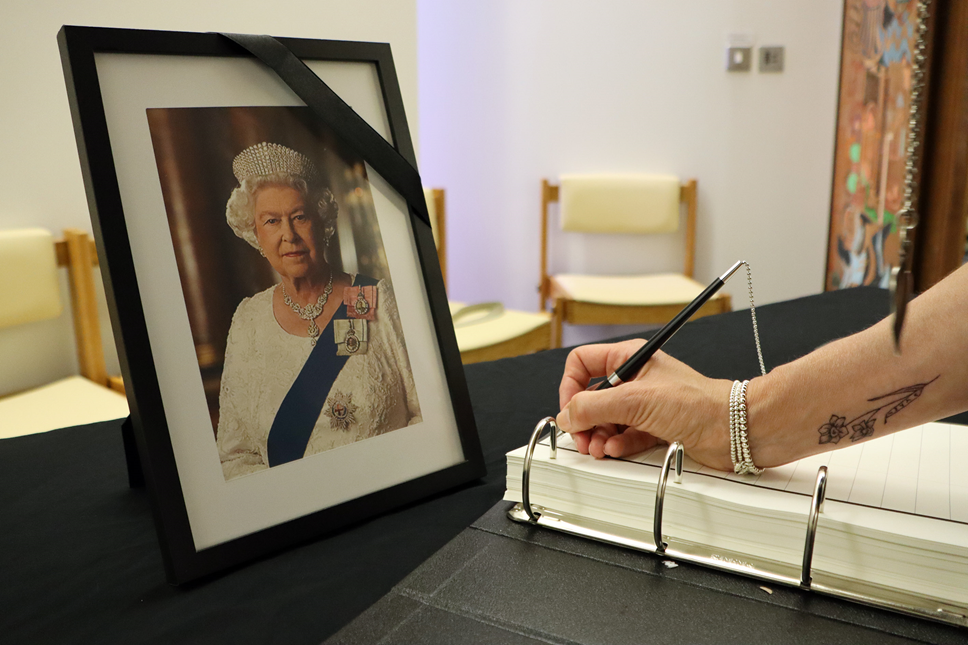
339, 116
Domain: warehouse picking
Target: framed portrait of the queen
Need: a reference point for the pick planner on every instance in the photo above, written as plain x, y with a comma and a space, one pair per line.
280, 316
290, 299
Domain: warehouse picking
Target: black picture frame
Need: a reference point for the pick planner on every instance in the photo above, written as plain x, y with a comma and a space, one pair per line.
97, 145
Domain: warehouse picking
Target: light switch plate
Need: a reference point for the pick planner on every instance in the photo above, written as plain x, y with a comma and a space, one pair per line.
739, 59
771, 59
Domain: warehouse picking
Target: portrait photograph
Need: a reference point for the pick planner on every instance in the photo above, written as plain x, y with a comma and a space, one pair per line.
285, 278
282, 323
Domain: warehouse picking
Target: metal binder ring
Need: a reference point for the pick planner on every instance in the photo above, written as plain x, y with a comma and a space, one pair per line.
816, 508
526, 470
675, 451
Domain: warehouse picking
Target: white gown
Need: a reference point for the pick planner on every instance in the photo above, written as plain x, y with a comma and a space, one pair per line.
262, 361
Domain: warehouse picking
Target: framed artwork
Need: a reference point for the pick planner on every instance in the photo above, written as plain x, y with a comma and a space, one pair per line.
871, 146
283, 329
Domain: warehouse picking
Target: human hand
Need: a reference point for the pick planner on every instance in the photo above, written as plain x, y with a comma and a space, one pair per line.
667, 401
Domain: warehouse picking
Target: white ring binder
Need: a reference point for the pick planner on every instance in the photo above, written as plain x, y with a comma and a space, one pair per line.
895, 600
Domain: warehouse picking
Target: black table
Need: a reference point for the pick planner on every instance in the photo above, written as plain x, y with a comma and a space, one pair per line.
79, 561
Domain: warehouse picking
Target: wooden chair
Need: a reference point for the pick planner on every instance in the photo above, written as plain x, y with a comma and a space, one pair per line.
437, 208
77, 253
488, 331
94, 395
622, 300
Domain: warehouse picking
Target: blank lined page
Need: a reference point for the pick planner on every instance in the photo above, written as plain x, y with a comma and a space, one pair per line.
958, 470
923, 471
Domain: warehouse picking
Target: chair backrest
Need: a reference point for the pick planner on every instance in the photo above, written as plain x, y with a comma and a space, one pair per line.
29, 288
34, 252
437, 209
80, 260
551, 193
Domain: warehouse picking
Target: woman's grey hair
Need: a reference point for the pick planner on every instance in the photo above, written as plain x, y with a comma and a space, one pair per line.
240, 209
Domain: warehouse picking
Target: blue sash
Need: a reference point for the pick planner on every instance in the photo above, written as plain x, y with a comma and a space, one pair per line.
297, 416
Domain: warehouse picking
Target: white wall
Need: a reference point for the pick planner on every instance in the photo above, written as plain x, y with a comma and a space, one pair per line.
40, 179
511, 92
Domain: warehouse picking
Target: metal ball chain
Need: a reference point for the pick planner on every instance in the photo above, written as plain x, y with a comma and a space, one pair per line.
739, 446
908, 217
756, 330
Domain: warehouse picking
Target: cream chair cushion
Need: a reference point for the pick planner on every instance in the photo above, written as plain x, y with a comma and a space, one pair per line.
29, 286
624, 203
73, 401
660, 289
487, 330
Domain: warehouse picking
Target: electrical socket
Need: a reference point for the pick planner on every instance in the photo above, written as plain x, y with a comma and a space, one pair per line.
739, 59
771, 58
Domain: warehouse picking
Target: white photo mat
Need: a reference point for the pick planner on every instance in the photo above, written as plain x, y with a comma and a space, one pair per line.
220, 511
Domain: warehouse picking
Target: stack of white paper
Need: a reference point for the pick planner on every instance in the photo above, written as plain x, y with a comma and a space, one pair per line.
896, 515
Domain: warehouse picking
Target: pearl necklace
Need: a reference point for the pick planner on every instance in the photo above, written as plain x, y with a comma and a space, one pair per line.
310, 312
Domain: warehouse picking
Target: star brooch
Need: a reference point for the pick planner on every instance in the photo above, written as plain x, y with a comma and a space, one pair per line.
341, 411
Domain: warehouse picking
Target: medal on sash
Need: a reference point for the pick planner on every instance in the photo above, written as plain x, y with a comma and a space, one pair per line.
362, 306
351, 337
360, 302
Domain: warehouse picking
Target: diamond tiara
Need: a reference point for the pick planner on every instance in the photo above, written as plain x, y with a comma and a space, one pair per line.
267, 158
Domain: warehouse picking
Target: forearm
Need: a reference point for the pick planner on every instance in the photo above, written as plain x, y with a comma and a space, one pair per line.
857, 388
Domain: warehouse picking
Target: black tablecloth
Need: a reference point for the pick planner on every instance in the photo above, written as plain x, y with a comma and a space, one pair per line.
508, 583
79, 561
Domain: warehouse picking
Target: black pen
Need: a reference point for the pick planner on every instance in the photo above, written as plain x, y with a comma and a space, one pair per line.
631, 367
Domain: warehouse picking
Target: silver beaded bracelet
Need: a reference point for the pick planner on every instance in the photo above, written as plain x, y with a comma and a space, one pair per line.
739, 447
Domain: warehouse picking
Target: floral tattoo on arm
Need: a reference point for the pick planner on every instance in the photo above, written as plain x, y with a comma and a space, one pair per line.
862, 426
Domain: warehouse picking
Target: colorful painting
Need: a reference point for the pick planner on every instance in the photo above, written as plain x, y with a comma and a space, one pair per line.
872, 137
